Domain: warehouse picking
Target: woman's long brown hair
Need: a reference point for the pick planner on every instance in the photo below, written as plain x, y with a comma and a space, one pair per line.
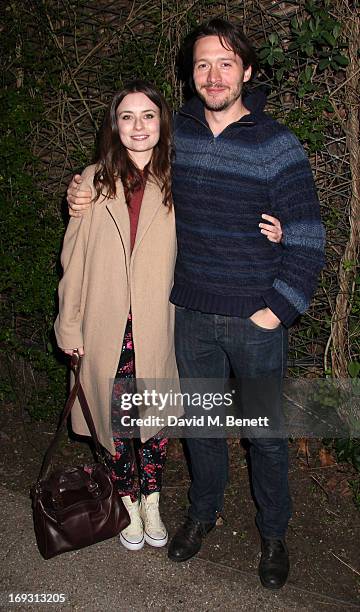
112, 158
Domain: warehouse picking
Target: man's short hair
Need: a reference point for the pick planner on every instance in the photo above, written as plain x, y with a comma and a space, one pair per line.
231, 36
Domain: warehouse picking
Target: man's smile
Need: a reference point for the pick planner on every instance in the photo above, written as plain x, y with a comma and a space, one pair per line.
214, 89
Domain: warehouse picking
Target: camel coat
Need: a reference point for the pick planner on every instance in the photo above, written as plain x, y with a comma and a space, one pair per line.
100, 281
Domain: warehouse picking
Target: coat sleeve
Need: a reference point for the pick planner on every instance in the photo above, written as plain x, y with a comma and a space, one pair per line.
68, 324
294, 200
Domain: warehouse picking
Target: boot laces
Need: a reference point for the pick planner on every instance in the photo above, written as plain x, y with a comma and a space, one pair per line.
136, 524
152, 516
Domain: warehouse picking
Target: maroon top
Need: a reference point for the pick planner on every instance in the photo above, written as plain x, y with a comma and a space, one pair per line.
134, 212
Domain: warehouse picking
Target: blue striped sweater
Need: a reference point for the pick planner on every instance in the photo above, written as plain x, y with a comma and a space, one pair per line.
221, 186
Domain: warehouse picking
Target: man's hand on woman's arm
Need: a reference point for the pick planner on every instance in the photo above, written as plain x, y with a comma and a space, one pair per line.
78, 199
273, 229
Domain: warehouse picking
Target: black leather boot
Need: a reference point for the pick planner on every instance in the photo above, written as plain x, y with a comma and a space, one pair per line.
188, 539
274, 563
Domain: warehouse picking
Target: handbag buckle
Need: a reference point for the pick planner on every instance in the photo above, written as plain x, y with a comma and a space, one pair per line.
93, 488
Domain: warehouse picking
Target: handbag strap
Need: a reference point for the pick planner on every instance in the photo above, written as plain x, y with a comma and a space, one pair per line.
76, 391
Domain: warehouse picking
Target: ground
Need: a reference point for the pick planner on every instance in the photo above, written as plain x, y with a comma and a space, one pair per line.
323, 536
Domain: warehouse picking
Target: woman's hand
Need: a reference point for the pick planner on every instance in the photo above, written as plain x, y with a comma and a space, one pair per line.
78, 199
70, 352
271, 230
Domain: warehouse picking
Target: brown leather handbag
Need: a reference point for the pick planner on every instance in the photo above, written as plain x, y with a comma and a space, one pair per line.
79, 506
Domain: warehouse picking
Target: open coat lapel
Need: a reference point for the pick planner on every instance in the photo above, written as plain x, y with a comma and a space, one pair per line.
150, 204
118, 210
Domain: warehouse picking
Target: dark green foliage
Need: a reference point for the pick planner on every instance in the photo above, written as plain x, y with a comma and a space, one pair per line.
348, 449
355, 487
30, 238
315, 45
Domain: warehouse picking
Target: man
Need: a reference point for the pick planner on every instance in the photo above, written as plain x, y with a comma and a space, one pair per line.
235, 293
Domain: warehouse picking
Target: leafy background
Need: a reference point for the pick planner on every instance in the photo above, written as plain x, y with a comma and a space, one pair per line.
61, 61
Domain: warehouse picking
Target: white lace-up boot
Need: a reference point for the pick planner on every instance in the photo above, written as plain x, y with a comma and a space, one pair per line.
132, 537
155, 530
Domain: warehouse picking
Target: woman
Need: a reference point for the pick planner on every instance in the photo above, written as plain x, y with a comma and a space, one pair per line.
118, 261
114, 294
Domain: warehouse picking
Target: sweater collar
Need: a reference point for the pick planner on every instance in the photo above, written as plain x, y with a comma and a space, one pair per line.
254, 101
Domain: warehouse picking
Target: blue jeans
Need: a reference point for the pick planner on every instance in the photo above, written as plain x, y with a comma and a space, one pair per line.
207, 346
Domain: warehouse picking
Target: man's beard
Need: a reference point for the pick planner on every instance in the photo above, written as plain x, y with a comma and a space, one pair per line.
213, 104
